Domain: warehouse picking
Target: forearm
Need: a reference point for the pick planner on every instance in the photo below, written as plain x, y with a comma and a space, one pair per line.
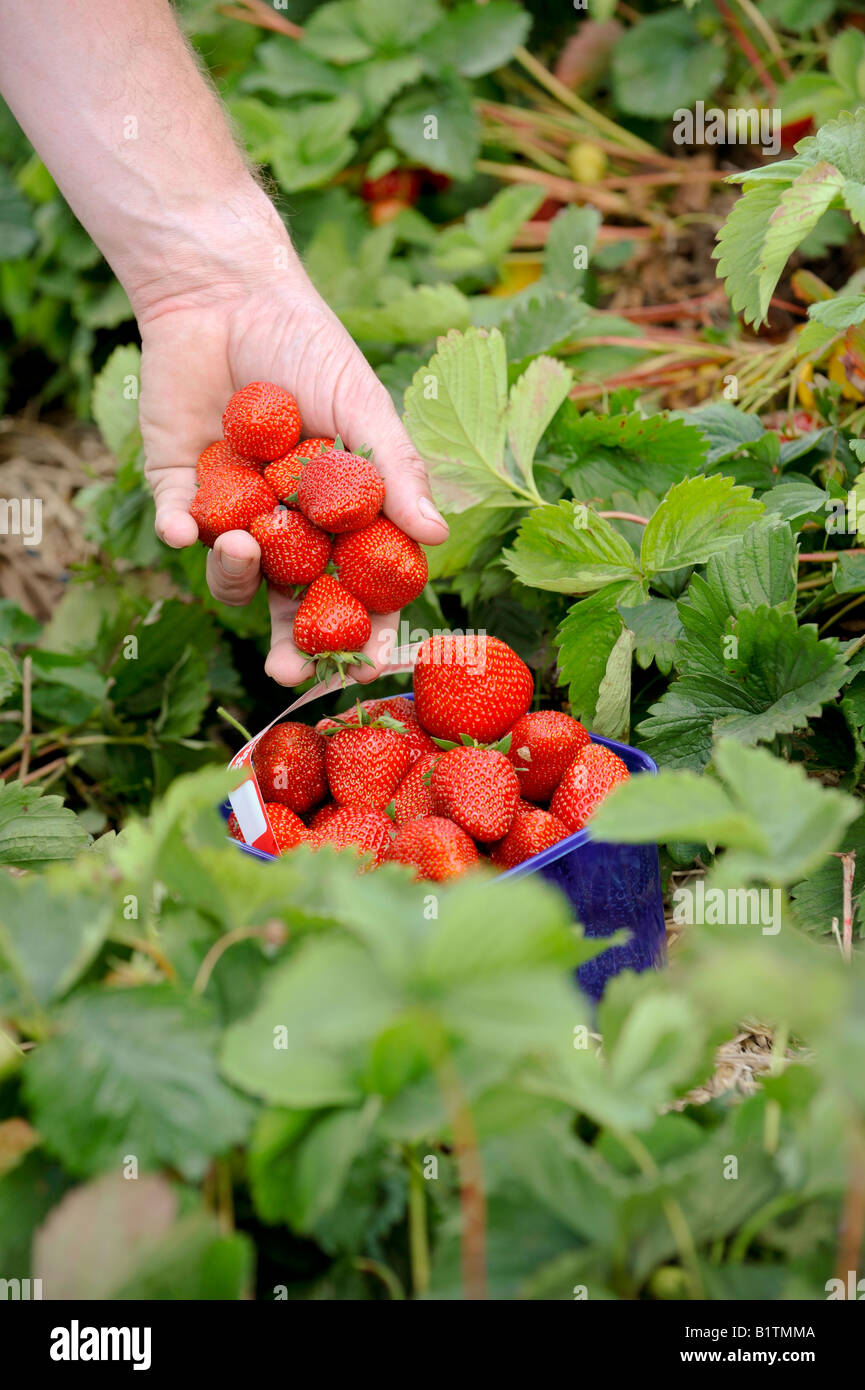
113, 101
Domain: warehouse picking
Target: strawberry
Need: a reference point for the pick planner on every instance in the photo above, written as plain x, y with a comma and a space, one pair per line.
261, 421
436, 847
365, 765
323, 814
221, 455
293, 551
402, 710
380, 565
477, 788
288, 829
288, 761
283, 475
531, 831
594, 771
470, 684
340, 491
229, 499
543, 744
232, 825
331, 620
369, 831
413, 797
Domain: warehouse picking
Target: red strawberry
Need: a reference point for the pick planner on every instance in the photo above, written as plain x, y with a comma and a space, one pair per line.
543, 744
283, 475
381, 566
470, 684
436, 847
398, 708
594, 771
340, 491
288, 829
330, 619
531, 831
366, 765
477, 788
413, 797
229, 499
369, 831
221, 455
232, 825
323, 814
261, 421
289, 763
396, 183
293, 551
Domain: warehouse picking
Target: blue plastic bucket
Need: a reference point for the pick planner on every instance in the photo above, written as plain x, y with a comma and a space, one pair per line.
609, 886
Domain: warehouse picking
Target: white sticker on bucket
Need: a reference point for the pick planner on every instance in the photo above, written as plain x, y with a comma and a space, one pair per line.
247, 807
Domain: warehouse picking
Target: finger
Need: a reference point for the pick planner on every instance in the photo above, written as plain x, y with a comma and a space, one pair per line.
233, 573
284, 664
173, 490
368, 417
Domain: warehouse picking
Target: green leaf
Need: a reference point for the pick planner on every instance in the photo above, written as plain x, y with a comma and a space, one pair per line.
778, 679
696, 519
798, 15
849, 574
571, 230
306, 145
725, 429
420, 313
115, 402
842, 311
542, 321
436, 127
305, 1044
533, 401
486, 233
133, 1071
472, 534
287, 70
657, 628
16, 625
299, 1178
17, 232
335, 32
569, 549
10, 676
475, 39
186, 695
35, 829
674, 806
739, 251
794, 500
612, 717
455, 413
50, 931
663, 63
602, 453
799, 210
585, 640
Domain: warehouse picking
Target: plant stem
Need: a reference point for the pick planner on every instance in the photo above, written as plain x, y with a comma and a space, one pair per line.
418, 1235
230, 719
381, 1271
472, 1201
568, 98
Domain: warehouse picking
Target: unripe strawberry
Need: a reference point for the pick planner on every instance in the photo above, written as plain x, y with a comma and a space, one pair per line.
330, 619
367, 831
477, 788
437, 848
381, 566
288, 829
543, 744
293, 550
470, 684
532, 830
262, 421
594, 772
340, 491
221, 455
229, 499
288, 762
283, 475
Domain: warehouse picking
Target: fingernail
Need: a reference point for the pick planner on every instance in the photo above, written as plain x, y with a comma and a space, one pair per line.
234, 565
428, 509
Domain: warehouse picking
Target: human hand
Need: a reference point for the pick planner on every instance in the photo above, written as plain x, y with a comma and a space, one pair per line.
196, 351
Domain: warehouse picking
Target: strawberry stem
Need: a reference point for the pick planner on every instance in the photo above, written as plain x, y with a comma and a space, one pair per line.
230, 719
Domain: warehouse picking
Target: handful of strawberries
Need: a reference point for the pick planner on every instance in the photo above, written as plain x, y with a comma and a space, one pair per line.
463, 773
315, 510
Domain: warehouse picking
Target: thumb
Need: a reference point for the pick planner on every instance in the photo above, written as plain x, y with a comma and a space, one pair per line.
173, 490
